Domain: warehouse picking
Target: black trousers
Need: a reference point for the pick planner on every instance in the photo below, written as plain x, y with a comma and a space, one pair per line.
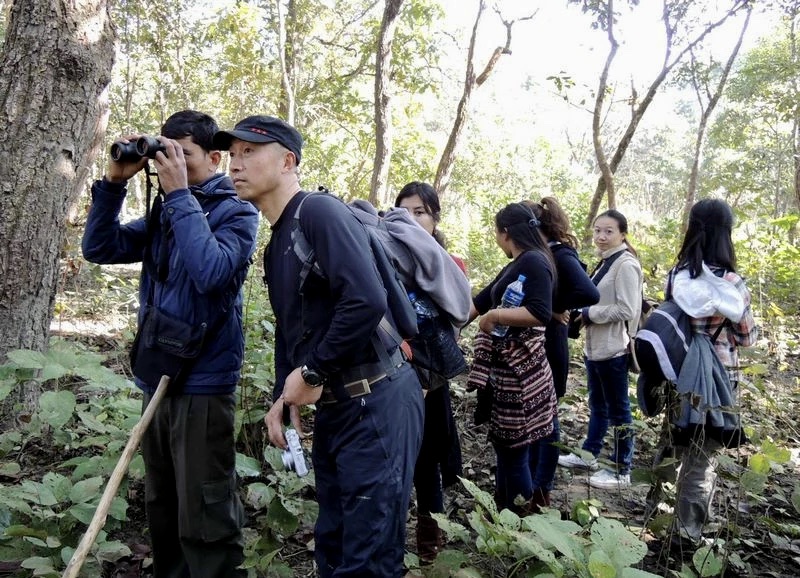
193, 510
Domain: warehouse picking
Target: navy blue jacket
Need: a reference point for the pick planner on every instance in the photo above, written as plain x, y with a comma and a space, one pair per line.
329, 326
213, 236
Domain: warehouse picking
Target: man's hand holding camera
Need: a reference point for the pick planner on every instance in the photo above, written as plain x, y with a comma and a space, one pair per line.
296, 392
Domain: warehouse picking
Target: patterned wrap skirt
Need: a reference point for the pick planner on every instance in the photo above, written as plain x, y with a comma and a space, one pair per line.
523, 396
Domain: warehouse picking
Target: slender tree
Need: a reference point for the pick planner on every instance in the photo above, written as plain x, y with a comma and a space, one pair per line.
55, 67
471, 81
679, 42
383, 111
707, 98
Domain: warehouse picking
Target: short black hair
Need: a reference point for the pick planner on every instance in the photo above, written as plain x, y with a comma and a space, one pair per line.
197, 125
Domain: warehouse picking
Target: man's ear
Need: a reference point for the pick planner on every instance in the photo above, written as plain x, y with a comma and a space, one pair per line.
215, 157
289, 161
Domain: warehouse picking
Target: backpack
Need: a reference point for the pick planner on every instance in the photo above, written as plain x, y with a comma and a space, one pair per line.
661, 346
402, 250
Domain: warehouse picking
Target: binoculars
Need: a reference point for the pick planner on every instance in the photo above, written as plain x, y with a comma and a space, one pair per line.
146, 146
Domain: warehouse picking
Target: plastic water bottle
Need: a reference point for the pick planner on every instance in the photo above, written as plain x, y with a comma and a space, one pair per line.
422, 307
512, 297
426, 316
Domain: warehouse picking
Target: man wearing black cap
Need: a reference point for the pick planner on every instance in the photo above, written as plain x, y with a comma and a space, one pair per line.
369, 414
195, 251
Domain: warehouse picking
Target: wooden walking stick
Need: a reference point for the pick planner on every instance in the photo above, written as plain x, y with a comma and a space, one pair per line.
99, 518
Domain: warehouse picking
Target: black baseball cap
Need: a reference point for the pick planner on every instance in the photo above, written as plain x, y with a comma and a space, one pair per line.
261, 129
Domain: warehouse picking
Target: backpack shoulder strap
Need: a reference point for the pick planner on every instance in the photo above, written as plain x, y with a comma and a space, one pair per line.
301, 246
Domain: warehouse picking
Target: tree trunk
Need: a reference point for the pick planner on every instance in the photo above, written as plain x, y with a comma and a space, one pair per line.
606, 174
445, 169
54, 69
286, 106
713, 99
383, 111
638, 111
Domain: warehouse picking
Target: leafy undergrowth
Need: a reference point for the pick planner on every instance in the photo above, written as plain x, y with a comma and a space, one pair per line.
56, 457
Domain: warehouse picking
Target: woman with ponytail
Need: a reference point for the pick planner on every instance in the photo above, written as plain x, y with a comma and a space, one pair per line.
512, 370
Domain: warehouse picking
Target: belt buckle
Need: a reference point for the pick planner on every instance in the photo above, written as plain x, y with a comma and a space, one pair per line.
353, 391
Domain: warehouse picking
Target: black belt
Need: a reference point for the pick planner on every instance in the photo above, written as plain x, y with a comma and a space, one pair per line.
356, 382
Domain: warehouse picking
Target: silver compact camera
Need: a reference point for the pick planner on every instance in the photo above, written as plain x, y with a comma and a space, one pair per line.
292, 457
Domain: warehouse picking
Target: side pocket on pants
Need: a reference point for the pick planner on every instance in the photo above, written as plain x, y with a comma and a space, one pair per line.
222, 511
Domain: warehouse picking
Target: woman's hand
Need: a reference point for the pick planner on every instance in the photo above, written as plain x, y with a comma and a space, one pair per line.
489, 320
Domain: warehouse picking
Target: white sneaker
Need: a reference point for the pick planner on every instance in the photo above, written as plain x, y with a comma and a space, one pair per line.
573, 461
608, 480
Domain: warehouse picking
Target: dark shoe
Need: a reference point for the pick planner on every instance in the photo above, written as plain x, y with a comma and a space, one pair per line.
539, 500
429, 538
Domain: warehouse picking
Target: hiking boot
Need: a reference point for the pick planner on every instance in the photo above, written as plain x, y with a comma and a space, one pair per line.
540, 499
429, 538
573, 461
608, 480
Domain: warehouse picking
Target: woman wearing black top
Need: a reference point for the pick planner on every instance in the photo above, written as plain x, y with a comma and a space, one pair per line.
514, 368
574, 290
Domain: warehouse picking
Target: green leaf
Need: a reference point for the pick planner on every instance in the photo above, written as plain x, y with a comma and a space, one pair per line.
85, 490
82, 512
453, 530
112, 551
706, 562
56, 407
39, 493
281, 519
60, 485
618, 542
9, 469
753, 482
118, 509
6, 387
38, 563
600, 565
483, 498
796, 498
247, 466
52, 371
636, 573
18, 531
558, 538
759, 463
776, 454
259, 495
27, 358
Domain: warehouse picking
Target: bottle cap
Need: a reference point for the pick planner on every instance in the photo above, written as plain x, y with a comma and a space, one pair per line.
521, 278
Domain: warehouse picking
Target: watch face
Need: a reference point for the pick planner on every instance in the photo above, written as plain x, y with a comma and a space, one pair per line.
311, 377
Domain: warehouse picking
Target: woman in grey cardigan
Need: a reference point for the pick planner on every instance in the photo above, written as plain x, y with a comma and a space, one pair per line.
609, 325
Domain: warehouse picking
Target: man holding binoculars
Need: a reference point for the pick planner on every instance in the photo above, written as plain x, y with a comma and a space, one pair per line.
195, 249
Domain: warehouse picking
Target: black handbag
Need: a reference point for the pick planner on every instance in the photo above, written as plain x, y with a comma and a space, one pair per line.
165, 345
435, 350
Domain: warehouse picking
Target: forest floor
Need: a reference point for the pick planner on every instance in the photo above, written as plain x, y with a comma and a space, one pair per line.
764, 524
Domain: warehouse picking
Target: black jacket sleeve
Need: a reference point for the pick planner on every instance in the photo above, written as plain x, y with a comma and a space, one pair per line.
575, 287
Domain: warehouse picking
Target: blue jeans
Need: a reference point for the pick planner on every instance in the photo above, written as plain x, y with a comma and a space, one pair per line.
364, 454
513, 476
543, 459
609, 405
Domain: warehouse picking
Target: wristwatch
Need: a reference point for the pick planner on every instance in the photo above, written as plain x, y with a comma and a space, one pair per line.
311, 376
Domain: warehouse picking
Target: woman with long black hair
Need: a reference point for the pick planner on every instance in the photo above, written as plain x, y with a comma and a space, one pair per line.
705, 285
513, 369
